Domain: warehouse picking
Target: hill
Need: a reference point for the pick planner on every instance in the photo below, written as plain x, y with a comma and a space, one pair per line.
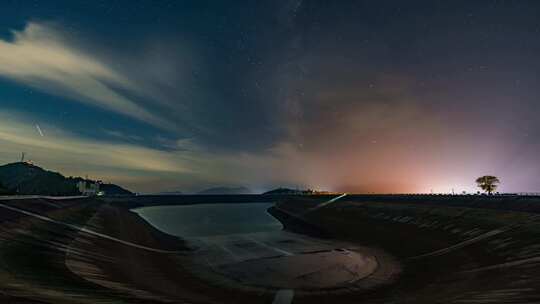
4, 190
112, 189
169, 193
27, 179
282, 191
225, 190
287, 191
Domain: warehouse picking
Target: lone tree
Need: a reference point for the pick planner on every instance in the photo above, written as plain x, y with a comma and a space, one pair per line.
488, 183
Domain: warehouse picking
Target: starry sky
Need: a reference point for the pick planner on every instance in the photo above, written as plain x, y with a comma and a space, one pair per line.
356, 96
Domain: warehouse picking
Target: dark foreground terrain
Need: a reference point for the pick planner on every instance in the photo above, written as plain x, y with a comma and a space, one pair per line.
449, 250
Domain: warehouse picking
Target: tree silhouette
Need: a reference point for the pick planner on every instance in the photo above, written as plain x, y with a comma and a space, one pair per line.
488, 183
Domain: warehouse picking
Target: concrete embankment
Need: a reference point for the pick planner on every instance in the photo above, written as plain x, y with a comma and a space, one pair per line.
451, 251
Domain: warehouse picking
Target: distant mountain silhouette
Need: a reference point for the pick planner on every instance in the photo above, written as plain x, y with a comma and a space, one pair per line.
112, 189
170, 193
282, 191
294, 191
27, 179
226, 190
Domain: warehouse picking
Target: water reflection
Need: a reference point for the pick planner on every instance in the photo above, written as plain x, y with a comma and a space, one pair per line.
211, 219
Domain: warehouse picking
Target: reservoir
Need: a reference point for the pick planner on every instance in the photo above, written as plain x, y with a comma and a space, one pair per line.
203, 220
241, 244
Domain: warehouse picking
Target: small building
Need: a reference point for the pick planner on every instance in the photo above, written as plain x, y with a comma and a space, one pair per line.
88, 188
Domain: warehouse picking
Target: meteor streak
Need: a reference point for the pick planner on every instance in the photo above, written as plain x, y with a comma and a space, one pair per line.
39, 130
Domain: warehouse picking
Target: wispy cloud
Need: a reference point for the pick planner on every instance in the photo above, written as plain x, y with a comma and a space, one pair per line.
18, 133
39, 56
123, 136
183, 167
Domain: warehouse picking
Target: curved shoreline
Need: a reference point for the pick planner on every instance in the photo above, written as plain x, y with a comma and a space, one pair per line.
186, 268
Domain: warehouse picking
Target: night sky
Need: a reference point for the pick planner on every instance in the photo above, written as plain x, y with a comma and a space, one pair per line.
357, 96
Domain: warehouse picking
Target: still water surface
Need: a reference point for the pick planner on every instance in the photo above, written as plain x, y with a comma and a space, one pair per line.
210, 219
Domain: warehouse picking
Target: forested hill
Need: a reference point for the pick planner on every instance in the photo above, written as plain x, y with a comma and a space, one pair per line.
27, 179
